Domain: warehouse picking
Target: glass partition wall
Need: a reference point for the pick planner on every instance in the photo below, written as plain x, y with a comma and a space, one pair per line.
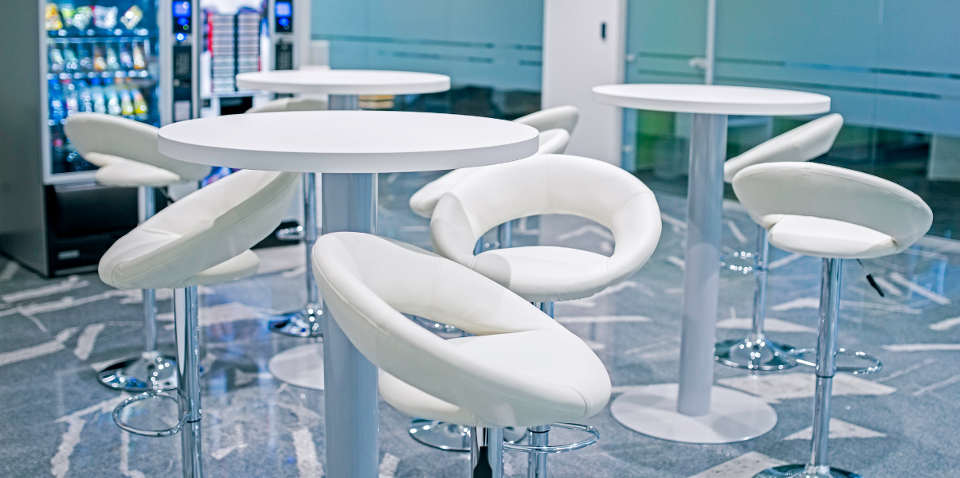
892, 70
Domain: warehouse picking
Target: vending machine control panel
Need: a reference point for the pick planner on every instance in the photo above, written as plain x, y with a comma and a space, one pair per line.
282, 35
183, 64
283, 16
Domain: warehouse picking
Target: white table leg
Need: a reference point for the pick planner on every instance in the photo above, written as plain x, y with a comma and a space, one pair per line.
695, 411
300, 365
349, 204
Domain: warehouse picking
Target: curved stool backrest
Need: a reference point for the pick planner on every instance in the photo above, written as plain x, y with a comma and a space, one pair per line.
202, 230
422, 202
100, 134
299, 103
369, 282
803, 143
551, 184
772, 190
562, 117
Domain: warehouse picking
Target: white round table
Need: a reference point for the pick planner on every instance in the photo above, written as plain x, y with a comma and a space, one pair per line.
694, 410
349, 148
343, 86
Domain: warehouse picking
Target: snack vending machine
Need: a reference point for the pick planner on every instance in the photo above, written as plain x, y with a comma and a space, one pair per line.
131, 58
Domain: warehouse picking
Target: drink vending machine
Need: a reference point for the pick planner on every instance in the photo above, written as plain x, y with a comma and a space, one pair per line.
136, 59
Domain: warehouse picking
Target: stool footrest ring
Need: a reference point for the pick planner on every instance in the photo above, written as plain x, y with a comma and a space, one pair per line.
552, 449
151, 395
873, 363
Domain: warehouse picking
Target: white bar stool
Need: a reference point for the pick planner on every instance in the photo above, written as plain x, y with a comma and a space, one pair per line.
836, 214
369, 283
125, 152
201, 239
549, 184
756, 352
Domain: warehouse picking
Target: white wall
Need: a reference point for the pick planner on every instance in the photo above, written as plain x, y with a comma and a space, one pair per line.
575, 59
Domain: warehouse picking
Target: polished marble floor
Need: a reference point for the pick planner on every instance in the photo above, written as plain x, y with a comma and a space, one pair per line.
55, 419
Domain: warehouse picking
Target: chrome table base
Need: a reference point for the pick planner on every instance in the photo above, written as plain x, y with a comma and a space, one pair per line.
150, 371
755, 354
802, 471
304, 323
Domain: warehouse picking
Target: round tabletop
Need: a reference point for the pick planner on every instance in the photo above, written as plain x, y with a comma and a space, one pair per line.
712, 99
344, 82
348, 141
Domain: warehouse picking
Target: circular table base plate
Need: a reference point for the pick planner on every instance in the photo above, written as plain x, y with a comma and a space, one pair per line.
134, 375
304, 323
734, 416
301, 366
756, 356
798, 471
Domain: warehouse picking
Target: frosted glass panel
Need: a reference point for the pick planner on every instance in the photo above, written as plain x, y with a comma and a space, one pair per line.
489, 43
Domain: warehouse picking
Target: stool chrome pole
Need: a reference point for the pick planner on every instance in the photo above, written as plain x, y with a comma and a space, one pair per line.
486, 452
186, 310
305, 323
827, 349
539, 435
151, 371
756, 352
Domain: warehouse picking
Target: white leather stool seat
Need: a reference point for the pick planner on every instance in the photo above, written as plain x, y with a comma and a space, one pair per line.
549, 184
126, 151
559, 117
826, 211
425, 199
117, 171
537, 355
519, 368
546, 273
827, 237
202, 238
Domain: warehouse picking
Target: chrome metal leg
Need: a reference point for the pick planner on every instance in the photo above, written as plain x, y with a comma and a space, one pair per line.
151, 371
537, 462
349, 204
186, 310
818, 466
306, 322
539, 435
755, 351
486, 452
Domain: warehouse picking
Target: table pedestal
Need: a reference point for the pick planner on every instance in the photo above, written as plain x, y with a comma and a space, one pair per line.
352, 421
300, 365
694, 411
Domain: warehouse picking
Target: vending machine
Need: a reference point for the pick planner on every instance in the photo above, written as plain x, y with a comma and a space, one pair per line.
131, 58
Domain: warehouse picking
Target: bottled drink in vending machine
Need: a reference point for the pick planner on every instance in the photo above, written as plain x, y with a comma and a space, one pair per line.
113, 99
56, 59
96, 93
70, 97
113, 63
70, 58
126, 56
139, 104
139, 59
126, 100
57, 110
84, 57
99, 61
86, 98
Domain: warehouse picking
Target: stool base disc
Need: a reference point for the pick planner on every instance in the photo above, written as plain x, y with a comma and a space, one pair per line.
454, 438
301, 366
800, 471
302, 323
133, 375
755, 355
734, 416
